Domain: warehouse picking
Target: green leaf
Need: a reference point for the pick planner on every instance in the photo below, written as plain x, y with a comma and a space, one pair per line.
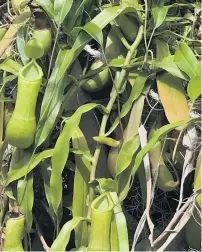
105, 184
172, 19
124, 182
73, 17
164, 180
81, 178
117, 62
135, 117
162, 49
9, 193
170, 66
21, 44
186, 61
62, 239
61, 152
159, 12
157, 136
61, 9
106, 16
51, 104
119, 230
137, 89
159, 15
194, 88
85, 154
46, 169
129, 149
10, 66
126, 153
25, 195
6, 79
60, 155
106, 140
131, 140
16, 173
47, 5
92, 29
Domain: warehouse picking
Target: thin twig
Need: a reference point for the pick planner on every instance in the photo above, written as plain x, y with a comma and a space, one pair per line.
189, 140
174, 220
8, 8
184, 219
143, 141
45, 246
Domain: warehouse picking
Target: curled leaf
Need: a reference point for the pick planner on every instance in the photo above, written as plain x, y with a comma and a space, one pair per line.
107, 140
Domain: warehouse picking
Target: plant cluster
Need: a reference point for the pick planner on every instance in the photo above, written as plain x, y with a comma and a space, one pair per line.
99, 115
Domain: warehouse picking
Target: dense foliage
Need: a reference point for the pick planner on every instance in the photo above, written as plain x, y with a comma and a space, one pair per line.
100, 125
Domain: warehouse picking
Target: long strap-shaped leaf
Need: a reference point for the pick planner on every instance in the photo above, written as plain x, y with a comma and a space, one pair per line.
119, 232
45, 167
130, 146
159, 170
26, 199
62, 239
61, 153
81, 179
137, 89
16, 173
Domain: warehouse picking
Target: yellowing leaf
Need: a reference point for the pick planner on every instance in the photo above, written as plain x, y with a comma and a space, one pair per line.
173, 97
12, 31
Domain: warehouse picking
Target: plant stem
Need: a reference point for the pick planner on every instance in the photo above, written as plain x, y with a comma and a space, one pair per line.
118, 85
120, 35
45, 246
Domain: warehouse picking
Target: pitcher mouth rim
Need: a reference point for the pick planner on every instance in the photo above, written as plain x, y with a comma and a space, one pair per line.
40, 72
21, 216
110, 203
